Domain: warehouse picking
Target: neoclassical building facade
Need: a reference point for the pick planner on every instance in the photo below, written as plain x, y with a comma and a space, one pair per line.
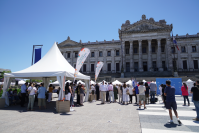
145, 45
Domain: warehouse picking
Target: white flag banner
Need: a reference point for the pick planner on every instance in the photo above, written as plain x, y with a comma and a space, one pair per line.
98, 69
82, 55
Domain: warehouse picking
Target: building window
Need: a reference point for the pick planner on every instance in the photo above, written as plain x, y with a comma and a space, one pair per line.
153, 49
109, 67
117, 52
193, 48
117, 67
183, 49
68, 55
184, 64
76, 54
154, 65
162, 49
84, 67
92, 54
196, 64
163, 65
92, 67
136, 66
127, 66
135, 50
127, 50
174, 64
74, 65
144, 50
108, 53
173, 49
100, 54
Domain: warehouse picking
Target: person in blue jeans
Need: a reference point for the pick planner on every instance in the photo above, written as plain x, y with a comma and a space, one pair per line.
136, 94
195, 92
153, 89
170, 101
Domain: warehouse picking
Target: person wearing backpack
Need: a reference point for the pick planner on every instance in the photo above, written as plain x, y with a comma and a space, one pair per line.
31, 91
195, 92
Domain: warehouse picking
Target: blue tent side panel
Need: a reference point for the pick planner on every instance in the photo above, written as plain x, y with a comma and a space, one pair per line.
176, 82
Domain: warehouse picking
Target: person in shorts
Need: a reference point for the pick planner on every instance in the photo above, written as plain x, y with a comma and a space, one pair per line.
170, 101
142, 90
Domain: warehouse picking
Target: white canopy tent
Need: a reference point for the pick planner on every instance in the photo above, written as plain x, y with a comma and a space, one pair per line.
116, 82
68, 81
92, 82
51, 67
80, 82
21, 82
129, 82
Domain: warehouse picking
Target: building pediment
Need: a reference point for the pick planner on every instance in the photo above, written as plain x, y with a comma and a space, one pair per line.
145, 25
68, 42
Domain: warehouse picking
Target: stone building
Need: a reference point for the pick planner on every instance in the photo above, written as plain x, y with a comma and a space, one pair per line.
145, 47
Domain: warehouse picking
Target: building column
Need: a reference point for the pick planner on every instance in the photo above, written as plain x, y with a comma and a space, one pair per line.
131, 56
159, 56
113, 61
149, 56
169, 55
123, 56
190, 61
140, 56
104, 61
71, 56
88, 63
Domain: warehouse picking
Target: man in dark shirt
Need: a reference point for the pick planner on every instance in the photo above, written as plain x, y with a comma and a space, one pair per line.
195, 91
170, 101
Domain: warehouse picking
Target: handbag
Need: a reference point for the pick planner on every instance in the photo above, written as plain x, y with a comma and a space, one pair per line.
30, 91
127, 92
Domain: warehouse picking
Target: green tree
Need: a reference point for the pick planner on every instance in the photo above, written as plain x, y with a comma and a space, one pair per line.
2, 74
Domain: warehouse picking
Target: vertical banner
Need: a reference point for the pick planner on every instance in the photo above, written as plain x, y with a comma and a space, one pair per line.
98, 69
37, 55
82, 55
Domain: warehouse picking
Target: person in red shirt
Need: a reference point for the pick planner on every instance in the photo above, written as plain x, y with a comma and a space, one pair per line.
185, 94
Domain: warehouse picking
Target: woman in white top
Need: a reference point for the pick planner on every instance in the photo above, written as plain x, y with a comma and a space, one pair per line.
32, 89
125, 95
130, 88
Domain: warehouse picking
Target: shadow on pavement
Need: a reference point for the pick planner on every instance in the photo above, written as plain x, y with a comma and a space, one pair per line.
171, 125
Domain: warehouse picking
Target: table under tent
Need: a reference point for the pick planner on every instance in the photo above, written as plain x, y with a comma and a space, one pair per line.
53, 66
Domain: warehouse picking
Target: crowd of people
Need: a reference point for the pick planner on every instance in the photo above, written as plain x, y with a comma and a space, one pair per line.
107, 92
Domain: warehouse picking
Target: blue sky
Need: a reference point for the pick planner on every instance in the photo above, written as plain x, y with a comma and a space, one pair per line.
24, 23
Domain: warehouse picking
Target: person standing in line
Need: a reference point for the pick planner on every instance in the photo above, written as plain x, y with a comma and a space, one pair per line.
32, 93
82, 89
164, 97
170, 101
78, 93
136, 94
68, 91
115, 93
50, 92
130, 88
125, 95
73, 94
23, 93
120, 94
142, 90
41, 96
195, 92
111, 94
147, 93
161, 94
97, 91
185, 94
153, 89
107, 93
103, 89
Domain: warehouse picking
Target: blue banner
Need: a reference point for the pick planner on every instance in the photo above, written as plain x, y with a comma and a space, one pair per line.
176, 82
37, 55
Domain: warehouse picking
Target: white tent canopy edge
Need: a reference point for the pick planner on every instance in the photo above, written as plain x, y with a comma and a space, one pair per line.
45, 70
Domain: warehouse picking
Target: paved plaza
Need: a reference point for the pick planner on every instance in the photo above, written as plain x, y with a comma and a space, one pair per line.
96, 118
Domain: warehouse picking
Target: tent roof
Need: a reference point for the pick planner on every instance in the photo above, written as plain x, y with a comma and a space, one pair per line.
51, 65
